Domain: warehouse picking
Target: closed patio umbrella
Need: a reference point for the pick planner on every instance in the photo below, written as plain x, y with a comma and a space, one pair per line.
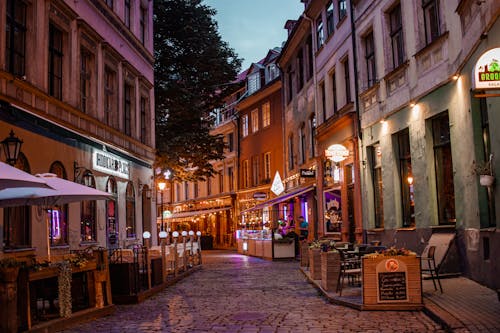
62, 191
11, 177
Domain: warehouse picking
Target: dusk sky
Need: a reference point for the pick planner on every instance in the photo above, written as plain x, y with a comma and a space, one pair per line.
253, 27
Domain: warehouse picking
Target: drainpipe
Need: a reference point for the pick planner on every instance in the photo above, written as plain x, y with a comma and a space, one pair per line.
315, 84
355, 67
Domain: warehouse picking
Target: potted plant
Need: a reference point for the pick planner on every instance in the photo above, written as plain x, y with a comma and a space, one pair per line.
315, 260
484, 170
9, 268
330, 265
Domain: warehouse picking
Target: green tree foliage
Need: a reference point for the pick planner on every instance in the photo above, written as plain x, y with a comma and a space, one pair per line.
192, 68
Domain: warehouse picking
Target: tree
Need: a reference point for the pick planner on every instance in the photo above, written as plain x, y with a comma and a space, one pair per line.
193, 67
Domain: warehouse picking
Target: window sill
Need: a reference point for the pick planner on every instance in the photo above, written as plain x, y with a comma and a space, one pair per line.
60, 247
406, 229
489, 229
376, 230
19, 250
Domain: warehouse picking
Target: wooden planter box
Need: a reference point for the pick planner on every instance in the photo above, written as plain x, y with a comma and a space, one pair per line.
315, 264
392, 283
330, 270
304, 254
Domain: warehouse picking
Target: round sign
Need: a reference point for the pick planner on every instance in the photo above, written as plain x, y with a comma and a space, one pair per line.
392, 265
337, 153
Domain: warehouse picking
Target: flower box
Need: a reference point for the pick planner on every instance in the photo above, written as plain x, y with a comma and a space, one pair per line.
315, 263
392, 282
330, 270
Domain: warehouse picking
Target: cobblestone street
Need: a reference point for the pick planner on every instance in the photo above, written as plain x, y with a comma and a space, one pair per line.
235, 293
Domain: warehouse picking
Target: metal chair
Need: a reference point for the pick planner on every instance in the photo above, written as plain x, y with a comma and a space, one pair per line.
350, 268
429, 267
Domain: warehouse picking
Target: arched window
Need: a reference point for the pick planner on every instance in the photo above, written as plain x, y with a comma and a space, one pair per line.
57, 216
130, 210
112, 214
17, 220
88, 221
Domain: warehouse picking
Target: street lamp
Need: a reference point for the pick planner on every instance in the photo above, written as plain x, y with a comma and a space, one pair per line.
12, 148
161, 186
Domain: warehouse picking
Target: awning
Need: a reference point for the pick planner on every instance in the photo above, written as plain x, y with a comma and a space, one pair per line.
197, 212
281, 198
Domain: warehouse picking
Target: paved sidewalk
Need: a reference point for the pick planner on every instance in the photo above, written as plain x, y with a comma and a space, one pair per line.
464, 305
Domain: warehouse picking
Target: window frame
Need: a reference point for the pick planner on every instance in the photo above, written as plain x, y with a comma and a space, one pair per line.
56, 58
432, 20
16, 34
342, 9
396, 36
255, 120
244, 125
371, 69
330, 24
405, 170
127, 108
130, 221
375, 154
266, 114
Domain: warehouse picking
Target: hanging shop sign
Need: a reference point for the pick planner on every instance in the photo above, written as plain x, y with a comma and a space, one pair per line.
307, 173
337, 153
260, 196
277, 186
487, 70
110, 164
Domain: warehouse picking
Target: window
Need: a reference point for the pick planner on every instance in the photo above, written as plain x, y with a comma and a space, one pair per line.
370, 59
406, 178
196, 190
230, 176
320, 38
126, 18
291, 157
253, 82
431, 20
230, 142
289, 74
334, 93
312, 133
272, 72
375, 154
209, 186
143, 106
444, 169
347, 81
300, 69
302, 138
267, 166
127, 109
323, 99
55, 61
396, 34
17, 220
244, 125
221, 182
57, 216
245, 174
109, 3
112, 232
255, 170
88, 211
266, 114
310, 57
186, 190
255, 120
487, 213
342, 9
329, 18
15, 44
130, 210
110, 97
85, 76
142, 23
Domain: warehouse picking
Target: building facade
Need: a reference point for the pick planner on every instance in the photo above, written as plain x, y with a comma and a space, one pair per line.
77, 88
426, 125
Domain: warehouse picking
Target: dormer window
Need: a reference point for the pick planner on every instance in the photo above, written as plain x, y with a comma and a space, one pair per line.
272, 72
253, 82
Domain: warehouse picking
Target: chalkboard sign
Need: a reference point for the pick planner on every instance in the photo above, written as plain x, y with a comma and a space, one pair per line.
392, 286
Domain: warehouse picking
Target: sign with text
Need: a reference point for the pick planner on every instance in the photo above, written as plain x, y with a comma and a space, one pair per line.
487, 70
307, 173
260, 196
392, 282
337, 153
111, 164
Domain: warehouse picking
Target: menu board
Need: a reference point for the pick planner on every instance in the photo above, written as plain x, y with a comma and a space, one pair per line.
392, 286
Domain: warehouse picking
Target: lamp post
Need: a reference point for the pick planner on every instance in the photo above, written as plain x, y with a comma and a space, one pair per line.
163, 234
161, 186
198, 236
175, 234
147, 235
11, 147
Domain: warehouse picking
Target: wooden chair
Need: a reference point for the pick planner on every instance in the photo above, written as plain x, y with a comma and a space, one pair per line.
350, 268
429, 266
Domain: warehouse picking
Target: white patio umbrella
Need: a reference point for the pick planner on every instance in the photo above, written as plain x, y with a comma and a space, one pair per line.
11, 177
62, 191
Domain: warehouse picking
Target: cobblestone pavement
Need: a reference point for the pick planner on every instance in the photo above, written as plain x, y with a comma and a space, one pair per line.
235, 293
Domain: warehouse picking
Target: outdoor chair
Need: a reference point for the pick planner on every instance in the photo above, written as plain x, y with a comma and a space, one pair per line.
350, 268
429, 266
